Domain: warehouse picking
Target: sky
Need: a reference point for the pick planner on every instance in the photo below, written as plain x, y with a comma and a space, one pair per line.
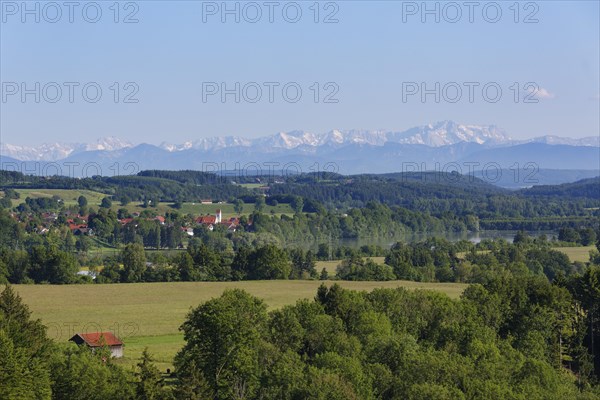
158, 71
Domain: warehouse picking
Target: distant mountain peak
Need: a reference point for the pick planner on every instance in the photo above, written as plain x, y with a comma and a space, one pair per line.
108, 143
444, 133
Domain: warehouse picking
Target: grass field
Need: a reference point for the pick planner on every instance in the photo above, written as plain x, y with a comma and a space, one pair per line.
580, 253
331, 266
149, 314
462, 254
69, 196
252, 185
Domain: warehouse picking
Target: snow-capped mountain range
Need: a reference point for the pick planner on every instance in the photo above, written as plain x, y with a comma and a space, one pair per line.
59, 151
443, 133
440, 134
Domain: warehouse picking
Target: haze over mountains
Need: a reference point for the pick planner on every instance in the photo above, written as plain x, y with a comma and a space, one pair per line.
428, 147
59, 151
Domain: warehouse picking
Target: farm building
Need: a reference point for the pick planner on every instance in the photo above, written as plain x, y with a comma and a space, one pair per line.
99, 339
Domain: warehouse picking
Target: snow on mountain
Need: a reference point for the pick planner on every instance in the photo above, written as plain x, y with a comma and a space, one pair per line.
440, 134
58, 151
447, 133
356, 136
47, 151
288, 140
444, 133
333, 137
108, 143
213, 143
593, 141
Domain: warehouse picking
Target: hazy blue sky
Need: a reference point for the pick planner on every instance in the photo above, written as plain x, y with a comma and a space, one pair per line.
370, 54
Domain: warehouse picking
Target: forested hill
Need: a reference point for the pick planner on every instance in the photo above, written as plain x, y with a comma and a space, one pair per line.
589, 188
185, 176
393, 189
438, 194
455, 180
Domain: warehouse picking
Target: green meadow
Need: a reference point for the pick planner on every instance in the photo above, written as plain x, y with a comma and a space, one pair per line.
578, 253
149, 314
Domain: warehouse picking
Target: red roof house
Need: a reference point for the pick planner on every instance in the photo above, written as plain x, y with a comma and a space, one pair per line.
206, 220
95, 340
80, 229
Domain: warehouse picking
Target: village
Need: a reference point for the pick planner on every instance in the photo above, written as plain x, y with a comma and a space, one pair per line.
79, 225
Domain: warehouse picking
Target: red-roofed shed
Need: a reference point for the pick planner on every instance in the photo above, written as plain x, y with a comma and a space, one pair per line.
100, 339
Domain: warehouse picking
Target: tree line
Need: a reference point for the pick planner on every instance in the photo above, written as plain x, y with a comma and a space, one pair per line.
510, 338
